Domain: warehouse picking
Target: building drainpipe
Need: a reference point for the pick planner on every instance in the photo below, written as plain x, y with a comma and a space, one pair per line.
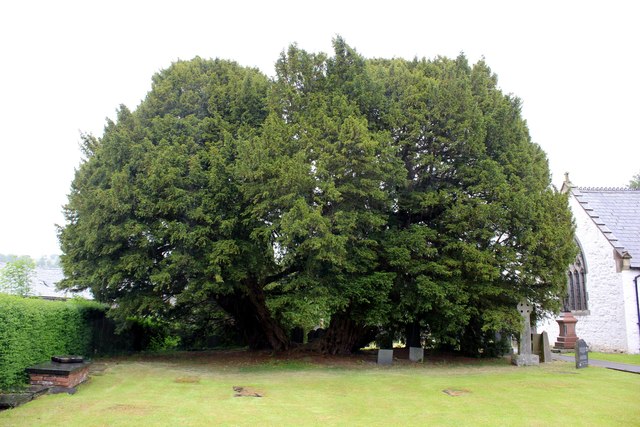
635, 280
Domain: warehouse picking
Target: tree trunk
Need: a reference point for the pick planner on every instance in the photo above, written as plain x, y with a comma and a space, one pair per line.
238, 306
412, 334
254, 320
344, 335
276, 336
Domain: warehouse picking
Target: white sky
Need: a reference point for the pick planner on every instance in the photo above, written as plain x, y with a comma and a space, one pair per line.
67, 65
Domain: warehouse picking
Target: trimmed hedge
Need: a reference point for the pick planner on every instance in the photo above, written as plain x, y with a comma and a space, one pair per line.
33, 329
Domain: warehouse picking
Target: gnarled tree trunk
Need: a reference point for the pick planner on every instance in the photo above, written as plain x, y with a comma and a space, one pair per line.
254, 320
344, 335
275, 335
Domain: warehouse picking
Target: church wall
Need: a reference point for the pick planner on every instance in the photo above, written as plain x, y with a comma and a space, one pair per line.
603, 325
631, 310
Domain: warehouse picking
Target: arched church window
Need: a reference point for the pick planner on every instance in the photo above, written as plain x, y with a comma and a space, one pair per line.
577, 289
571, 298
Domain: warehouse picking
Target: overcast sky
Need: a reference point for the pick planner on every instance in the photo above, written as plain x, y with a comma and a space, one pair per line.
67, 65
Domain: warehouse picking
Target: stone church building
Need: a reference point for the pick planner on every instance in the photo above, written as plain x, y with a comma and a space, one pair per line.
604, 279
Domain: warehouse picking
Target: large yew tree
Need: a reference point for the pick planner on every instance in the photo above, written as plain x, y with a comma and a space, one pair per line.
368, 196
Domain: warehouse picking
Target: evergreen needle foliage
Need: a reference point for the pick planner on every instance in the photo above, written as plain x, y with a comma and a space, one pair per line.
372, 196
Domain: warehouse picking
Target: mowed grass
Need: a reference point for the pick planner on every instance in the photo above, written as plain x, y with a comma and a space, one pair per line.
182, 391
631, 359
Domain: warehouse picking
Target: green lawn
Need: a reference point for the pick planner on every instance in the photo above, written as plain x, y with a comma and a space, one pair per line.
632, 359
185, 391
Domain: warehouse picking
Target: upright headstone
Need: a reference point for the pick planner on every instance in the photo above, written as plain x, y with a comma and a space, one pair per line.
536, 344
385, 357
416, 354
525, 356
582, 354
546, 348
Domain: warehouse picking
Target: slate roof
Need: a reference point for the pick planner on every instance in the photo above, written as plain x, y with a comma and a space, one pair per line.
616, 211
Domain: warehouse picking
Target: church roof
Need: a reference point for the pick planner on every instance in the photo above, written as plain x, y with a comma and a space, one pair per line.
616, 211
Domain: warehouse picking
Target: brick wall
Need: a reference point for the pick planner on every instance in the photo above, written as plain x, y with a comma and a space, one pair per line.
71, 380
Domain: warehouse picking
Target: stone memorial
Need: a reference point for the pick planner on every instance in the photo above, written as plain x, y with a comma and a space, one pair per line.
385, 356
582, 354
541, 347
416, 354
536, 344
567, 337
545, 355
525, 357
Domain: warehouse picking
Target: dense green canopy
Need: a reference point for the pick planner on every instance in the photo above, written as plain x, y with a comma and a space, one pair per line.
371, 196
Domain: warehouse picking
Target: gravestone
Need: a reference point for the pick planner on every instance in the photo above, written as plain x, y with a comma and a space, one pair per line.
525, 357
546, 348
385, 357
416, 354
582, 354
536, 344
541, 347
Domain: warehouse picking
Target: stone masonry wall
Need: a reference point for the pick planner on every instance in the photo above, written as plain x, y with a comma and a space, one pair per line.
631, 310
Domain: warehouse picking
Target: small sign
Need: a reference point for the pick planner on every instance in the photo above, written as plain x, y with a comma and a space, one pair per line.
582, 354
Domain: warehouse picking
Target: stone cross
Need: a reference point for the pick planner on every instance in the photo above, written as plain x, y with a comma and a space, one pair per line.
525, 357
525, 339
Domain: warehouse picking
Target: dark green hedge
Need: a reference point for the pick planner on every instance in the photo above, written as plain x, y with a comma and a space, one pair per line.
33, 329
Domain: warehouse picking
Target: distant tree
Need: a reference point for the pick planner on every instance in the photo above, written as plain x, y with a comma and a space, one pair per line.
7, 258
50, 261
16, 276
635, 182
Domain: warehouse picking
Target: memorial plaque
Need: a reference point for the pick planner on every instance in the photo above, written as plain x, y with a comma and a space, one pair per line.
582, 354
